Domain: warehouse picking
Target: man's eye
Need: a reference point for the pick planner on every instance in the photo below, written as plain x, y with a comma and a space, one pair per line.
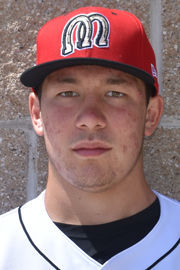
115, 94
68, 94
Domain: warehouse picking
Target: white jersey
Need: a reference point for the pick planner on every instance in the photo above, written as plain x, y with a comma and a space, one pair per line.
30, 240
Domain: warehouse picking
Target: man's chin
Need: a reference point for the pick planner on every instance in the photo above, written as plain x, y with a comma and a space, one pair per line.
95, 184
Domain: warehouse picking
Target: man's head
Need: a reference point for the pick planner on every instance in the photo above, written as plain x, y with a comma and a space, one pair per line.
93, 112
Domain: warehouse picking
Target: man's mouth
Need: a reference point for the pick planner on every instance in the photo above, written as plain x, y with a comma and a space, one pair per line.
91, 149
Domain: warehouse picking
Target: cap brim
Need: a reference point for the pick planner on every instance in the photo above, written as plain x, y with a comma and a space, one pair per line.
34, 76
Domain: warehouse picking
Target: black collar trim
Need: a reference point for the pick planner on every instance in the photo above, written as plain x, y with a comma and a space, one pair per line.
164, 256
32, 243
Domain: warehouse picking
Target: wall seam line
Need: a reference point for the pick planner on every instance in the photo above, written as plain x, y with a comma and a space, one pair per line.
31, 187
156, 36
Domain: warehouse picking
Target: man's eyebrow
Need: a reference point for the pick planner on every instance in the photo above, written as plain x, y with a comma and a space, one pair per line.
66, 80
116, 81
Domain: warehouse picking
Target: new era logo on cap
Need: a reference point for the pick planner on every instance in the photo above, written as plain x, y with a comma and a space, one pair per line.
93, 36
154, 72
84, 33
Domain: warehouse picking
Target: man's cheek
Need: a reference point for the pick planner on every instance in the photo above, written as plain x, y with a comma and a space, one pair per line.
56, 123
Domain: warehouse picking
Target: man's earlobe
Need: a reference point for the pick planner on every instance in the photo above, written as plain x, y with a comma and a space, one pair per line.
153, 115
35, 112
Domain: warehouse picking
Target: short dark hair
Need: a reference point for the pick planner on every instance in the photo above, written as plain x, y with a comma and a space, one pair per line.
38, 92
150, 92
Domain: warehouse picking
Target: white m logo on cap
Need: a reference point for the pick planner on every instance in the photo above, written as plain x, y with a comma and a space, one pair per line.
84, 33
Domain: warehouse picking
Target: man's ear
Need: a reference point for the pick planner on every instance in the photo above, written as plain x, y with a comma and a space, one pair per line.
35, 112
153, 115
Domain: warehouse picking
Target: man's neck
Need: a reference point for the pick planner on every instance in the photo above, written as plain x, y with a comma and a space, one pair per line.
67, 204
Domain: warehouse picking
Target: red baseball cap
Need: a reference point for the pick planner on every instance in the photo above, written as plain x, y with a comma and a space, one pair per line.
93, 36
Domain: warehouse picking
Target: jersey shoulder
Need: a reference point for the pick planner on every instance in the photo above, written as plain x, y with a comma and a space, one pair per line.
168, 201
170, 212
8, 218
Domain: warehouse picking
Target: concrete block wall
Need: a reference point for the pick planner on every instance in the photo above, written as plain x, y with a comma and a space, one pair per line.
23, 159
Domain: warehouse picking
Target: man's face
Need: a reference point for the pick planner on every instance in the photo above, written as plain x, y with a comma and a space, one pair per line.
93, 125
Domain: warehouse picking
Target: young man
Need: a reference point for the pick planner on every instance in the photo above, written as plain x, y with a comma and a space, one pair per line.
95, 97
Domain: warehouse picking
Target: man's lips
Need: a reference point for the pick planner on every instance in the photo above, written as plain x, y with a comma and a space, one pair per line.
86, 152
90, 149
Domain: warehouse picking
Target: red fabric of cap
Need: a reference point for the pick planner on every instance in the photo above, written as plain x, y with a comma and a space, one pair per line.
93, 35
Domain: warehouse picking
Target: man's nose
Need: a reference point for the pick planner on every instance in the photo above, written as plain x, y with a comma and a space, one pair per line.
91, 115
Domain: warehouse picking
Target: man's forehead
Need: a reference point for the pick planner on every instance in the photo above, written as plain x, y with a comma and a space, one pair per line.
82, 71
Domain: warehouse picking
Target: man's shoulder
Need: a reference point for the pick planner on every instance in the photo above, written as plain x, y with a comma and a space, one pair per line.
9, 216
168, 202
11, 219
10, 230
169, 212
